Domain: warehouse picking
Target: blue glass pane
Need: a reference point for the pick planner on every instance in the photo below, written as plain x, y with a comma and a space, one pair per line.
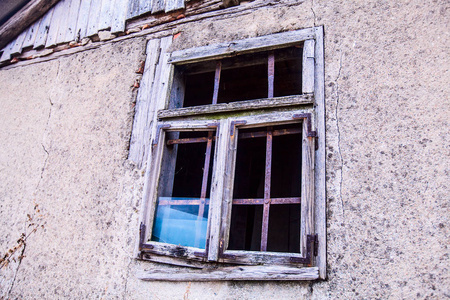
178, 223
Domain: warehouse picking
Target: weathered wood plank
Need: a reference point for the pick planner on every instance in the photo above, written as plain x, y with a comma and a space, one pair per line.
217, 185
241, 46
105, 19
145, 6
83, 19
71, 28
26, 16
133, 8
319, 94
17, 48
54, 25
158, 6
308, 67
6, 55
307, 188
94, 15
31, 34
119, 15
232, 273
44, 27
62, 30
237, 106
172, 5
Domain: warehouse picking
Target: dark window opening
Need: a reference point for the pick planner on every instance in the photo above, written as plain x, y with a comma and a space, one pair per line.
184, 189
243, 77
266, 197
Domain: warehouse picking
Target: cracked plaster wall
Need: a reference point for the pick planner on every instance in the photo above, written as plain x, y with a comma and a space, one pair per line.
65, 126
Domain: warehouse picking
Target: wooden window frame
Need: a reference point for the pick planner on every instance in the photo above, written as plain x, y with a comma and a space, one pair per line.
227, 119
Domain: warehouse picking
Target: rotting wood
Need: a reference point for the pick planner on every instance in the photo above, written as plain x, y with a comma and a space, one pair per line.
308, 67
232, 273
30, 13
237, 106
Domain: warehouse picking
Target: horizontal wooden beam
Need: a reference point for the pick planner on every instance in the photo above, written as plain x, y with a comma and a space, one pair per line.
232, 273
261, 43
237, 106
31, 12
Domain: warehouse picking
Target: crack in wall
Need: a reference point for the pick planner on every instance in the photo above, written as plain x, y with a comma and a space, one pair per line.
313, 12
341, 161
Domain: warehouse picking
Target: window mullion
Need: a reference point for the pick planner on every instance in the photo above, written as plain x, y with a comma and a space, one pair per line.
268, 175
271, 73
217, 82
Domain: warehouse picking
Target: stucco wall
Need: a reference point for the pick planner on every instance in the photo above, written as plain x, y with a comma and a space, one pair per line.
65, 126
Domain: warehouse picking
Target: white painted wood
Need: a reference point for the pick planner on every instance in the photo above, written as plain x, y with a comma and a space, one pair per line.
307, 188
31, 34
17, 48
105, 19
237, 106
62, 30
158, 6
320, 188
83, 19
232, 273
242, 46
94, 15
172, 5
308, 67
71, 33
6, 55
44, 26
119, 15
217, 187
133, 9
145, 6
54, 25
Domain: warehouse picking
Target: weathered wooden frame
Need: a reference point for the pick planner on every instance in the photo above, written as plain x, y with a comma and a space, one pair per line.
224, 115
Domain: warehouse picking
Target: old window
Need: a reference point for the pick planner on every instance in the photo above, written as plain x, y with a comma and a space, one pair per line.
236, 170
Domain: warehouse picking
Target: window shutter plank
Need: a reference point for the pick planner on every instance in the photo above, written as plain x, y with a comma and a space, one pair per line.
308, 67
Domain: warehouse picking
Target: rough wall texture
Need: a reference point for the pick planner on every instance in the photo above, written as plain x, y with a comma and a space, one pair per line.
65, 126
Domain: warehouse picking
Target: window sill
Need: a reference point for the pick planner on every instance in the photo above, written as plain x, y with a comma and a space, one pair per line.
237, 106
232, 273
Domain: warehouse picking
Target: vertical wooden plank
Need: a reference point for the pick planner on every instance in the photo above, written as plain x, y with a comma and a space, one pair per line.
217, 82
119, 15
54, 25
308, 67
271, 73
267, 181
71, 28
217, 189
133, 8
44, 26
145, 6
62, 31
7, 51
307, 187
158, 6
320, 192
94, 15
31, 34
17, 48
83, 19
105, 19
172, 5
177, 91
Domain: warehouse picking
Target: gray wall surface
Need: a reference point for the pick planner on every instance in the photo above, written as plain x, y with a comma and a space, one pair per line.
65, 126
